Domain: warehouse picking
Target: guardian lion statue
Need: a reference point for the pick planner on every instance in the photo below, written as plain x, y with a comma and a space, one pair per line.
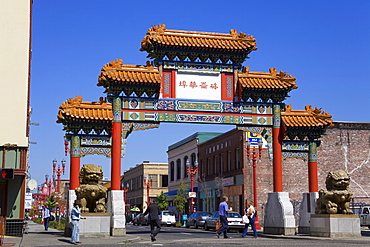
336, 199
91, 194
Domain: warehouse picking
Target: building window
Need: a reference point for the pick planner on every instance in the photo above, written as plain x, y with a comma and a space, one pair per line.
201, 168
139, 181
133, 184
193, 159
178, 169
154, 180
172, 171
228, 160
221, 163
237, 160
164, 180
215, 164
185, 171
208, 166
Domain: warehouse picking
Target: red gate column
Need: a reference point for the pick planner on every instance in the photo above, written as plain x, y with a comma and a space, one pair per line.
75, 156
312, 168
277, 151
116, 144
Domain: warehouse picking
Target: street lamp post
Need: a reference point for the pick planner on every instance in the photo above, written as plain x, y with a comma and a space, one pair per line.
48, 183
148, 184
58, 172
254, 157
125, 189
192, 171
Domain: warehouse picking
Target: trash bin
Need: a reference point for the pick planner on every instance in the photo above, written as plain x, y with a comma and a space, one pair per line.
184, 219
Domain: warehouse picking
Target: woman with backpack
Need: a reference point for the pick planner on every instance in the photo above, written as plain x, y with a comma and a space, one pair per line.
250, 212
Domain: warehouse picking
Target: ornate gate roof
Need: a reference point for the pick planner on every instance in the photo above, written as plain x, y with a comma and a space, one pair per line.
76, 115
117, 77
309, 123
160, 42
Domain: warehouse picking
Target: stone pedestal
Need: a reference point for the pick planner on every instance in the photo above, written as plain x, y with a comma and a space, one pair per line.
71, 199
116, 208
335, 225
279, 218
306, 209
95, 225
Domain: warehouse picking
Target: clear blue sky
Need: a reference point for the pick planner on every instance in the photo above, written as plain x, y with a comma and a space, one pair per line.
324, 44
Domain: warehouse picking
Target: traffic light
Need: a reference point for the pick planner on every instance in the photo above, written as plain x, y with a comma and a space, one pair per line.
7, 173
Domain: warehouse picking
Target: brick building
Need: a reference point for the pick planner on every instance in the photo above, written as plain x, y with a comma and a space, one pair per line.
223, 161
221, 170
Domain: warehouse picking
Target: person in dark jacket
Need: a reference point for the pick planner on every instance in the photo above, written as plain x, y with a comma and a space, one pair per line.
154, 212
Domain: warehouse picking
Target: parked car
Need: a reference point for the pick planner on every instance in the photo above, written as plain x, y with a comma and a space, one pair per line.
167, 218
144, 220
136, 219
197, 219
365, 216
234, 219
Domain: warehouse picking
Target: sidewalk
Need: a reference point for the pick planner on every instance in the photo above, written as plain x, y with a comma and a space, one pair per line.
37, 236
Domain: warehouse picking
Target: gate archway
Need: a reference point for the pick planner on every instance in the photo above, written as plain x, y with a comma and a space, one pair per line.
195, 77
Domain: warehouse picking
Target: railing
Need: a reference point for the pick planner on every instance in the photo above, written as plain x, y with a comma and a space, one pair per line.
14, 227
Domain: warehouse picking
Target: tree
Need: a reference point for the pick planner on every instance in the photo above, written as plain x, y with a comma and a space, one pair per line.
180, 199
162, 201
51, 202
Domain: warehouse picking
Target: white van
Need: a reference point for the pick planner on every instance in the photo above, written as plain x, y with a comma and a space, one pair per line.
365, 216
167, 218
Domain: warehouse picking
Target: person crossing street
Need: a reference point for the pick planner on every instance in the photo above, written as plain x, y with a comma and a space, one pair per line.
155, 225
223, 208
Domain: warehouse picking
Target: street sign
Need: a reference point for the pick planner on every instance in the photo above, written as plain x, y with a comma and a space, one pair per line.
28, 201
192, 194
254, 140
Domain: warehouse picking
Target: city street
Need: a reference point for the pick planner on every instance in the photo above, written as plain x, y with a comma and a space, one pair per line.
170, 236
177, 236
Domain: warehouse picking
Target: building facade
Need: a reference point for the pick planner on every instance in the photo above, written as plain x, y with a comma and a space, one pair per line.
178, 155
156, 181
224, 167
15, 50
221, 163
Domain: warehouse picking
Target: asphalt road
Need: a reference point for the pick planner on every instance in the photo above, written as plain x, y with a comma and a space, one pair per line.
178, 236
171, 236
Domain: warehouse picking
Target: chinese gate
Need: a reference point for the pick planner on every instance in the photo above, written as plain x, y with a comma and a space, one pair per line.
195, 77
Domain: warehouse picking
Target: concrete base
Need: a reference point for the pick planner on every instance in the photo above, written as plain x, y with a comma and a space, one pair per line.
95, 225
117, 210
71, 199
306, 209
279, 218
335, 225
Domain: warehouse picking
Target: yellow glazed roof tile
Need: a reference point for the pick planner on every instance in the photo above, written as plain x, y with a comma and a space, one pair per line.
148, 75
85, 110
308, 118
129, 74
197, 40
266, 80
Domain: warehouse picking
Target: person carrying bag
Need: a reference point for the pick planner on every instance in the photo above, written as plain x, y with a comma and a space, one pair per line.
249, 213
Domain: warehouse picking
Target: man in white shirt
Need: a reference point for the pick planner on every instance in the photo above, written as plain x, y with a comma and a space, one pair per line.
46, 216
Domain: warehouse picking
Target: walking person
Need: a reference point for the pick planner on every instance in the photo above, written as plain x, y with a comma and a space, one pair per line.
75, 218
223, 208
46, 216
250, 212
154, 212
